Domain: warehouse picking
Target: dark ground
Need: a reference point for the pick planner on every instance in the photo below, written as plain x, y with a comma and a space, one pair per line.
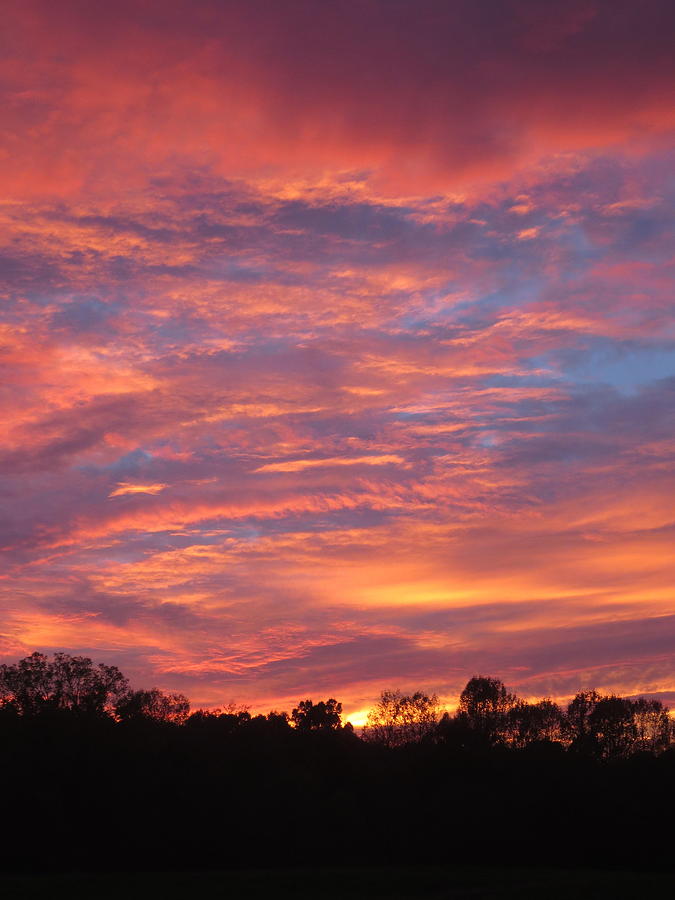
348, 884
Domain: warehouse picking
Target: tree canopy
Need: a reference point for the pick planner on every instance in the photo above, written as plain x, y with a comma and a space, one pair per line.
604, 727
38, 684
399, 718
321, 716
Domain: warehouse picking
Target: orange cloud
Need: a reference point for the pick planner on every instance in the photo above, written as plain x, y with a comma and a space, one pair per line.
297, 465
127, 488
333, 361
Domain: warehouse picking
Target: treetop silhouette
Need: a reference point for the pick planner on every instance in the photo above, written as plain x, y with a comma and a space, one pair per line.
604, 727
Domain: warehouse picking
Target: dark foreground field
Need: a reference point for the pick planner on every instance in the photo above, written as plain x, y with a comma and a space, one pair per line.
348, 884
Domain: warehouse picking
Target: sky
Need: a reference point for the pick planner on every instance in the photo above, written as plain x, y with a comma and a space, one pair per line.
337, 345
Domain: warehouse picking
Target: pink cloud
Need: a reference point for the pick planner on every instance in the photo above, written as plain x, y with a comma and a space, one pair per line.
339, 355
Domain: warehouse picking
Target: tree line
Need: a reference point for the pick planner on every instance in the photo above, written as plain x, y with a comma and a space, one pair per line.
488, 715
600, 725
97, 774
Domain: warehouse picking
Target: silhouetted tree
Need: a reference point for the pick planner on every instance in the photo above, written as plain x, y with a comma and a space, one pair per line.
324, 715
613, 727
36, 684
527, 723
219, 722
653, 727
577, 719
484, 706
153, 705
601, 726
402, 718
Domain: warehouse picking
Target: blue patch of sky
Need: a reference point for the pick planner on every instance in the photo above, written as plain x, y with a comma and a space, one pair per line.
518, 290
575, 239
626, 368
129, 464
84, 314
624, 365
349, 221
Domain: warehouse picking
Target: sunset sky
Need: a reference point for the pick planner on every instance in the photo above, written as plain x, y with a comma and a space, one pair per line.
337, 344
